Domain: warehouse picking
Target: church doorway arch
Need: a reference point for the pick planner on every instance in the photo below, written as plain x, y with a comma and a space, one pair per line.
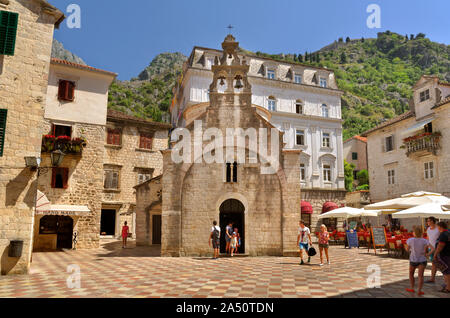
233, 211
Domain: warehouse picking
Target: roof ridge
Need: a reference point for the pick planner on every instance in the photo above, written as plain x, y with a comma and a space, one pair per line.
80, 66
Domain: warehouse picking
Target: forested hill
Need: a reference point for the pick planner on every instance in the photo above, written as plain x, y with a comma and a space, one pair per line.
375, 74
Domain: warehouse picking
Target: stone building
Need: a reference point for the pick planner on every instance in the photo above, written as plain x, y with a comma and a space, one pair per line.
265, 207
132, 156
355, 151
300, 100
24, 65
75, 123
412, 151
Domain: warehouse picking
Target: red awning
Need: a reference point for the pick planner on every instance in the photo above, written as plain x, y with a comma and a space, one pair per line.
307, 208
329, 206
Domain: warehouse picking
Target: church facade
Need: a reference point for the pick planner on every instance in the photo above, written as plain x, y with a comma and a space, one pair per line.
260, 195
302, 101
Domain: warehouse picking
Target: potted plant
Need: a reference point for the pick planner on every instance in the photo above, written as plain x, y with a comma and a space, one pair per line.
48, 143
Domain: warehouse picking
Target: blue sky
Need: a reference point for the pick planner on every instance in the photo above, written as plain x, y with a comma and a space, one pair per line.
124, 36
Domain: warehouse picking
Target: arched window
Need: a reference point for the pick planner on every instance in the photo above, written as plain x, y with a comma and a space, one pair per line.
299, 107
272, 103
325, 111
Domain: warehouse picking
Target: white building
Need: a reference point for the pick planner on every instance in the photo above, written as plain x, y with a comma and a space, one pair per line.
301, 101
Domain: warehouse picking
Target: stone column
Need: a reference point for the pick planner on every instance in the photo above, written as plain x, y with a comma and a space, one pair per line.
340, 159
315, 177
171, 207
291, 194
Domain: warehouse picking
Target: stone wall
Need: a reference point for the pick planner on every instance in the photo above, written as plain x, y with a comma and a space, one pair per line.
85, 182
23, 85
317, 198
130, 159
149, 203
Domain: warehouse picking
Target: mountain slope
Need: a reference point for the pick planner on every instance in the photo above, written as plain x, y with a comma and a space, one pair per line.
149, 95
59, 52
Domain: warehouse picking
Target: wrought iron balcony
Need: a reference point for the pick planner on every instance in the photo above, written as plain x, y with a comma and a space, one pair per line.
423, 143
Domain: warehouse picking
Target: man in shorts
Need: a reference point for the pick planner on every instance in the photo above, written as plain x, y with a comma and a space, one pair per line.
215, 239
304, 236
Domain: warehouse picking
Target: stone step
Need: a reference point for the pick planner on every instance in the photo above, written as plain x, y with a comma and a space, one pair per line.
235, 255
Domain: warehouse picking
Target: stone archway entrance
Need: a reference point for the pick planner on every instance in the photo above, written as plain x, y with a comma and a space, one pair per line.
232, 211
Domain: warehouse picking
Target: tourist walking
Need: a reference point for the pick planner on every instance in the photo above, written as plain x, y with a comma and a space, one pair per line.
303, 238
324, 238
214, 237
418, 248
433, 236
228, 234
442, 255
233, 243
125, 231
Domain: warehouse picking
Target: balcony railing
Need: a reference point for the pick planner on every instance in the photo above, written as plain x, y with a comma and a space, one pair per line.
66, 144
426, 142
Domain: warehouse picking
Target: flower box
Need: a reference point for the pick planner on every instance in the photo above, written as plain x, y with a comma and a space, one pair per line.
66, 144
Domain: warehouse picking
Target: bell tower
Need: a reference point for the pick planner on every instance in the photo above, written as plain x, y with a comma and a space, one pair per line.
230, 86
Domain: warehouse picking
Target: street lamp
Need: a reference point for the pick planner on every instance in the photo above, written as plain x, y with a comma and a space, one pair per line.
57, 157
34, 163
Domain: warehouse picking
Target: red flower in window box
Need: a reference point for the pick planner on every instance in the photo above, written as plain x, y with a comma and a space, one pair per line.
64, 139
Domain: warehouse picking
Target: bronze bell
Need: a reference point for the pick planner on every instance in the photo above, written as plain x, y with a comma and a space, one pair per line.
222, 81
238, 83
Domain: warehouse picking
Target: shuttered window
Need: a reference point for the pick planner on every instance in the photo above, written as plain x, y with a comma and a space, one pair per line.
60, 178
113, 137
111, 181
3, 113
66, 91
8, 32
146, 141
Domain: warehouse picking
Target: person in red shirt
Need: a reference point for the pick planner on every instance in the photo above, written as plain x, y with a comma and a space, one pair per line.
125, 230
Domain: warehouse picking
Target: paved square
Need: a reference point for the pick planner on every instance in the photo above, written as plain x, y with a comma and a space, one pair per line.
111, 271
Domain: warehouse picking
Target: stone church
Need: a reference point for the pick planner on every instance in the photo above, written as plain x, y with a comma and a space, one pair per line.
177, 209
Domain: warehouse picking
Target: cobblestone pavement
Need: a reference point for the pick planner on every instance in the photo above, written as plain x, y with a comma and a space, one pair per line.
111, 271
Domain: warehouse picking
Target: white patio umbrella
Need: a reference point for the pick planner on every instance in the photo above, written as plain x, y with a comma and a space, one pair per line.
409, 200
347, 212
423, 211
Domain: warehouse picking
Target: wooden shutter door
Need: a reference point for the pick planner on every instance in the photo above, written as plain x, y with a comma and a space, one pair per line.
3, 117
109, 137
116, 137
108, 179
115, 180
62, 90
54, 172
70, 91
8, 32
65, 175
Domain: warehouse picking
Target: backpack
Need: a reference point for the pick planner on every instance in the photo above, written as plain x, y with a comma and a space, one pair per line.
216, 234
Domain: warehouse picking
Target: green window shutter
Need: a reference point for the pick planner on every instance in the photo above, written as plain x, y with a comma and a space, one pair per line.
8, 32
3, 113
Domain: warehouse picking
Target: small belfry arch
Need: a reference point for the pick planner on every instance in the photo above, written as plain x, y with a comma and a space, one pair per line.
231, 73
